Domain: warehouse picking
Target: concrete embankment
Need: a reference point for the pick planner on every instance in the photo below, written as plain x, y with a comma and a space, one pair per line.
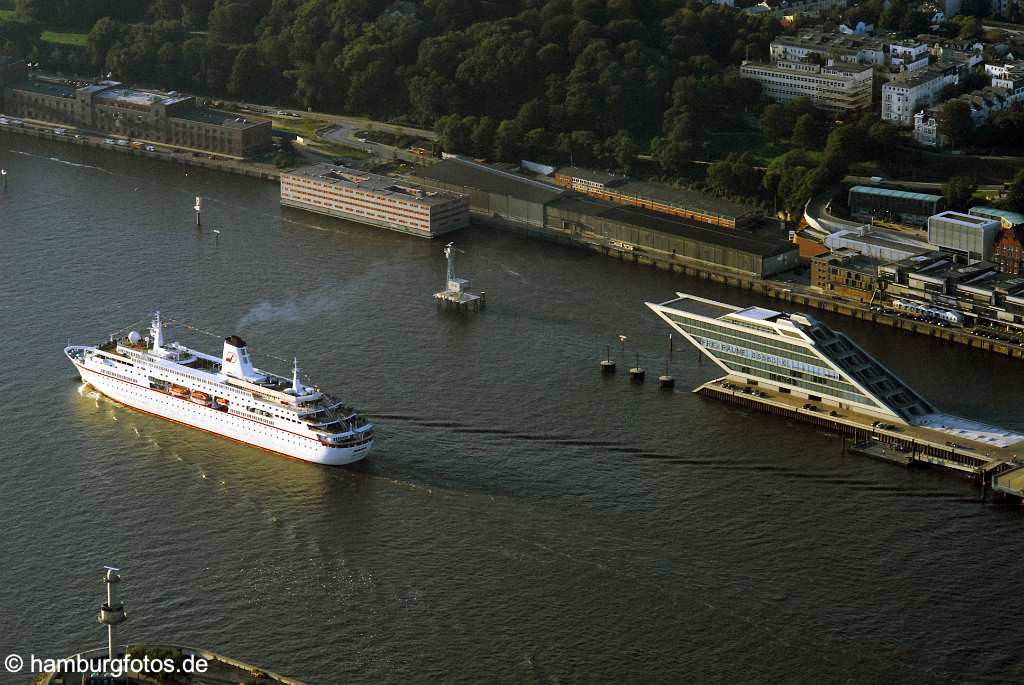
907, 444
188, 158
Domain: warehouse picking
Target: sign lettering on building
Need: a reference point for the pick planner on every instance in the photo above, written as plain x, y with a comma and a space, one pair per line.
755, 355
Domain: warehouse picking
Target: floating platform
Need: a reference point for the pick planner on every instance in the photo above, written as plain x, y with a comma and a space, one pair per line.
882, 452
462, 300
457, 294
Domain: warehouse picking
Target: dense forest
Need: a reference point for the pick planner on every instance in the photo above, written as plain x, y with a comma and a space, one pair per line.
580, 79
591, 82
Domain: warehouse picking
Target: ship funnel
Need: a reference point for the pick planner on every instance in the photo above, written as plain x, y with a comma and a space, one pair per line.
236, 362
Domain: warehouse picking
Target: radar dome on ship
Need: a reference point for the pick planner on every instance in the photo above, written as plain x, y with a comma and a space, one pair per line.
134, 337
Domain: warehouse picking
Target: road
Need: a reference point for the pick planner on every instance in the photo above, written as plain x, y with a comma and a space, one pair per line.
345, 133
816, 211
356, 122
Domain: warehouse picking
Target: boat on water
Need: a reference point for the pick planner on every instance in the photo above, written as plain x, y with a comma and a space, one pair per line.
224, 395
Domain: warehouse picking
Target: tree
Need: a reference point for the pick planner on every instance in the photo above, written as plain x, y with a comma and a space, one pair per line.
806, 132
1015, 196
735, 175
623, 148
20, 35
775, 123
508, 141
956, 124
247, 73
970, 28
959, 191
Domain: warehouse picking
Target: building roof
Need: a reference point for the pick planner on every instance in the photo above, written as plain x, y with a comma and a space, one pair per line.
687, 199
216, 117
731, 238
472, 175
963, 219
921, 76
886, 241
1012, 218
851, 260
890, 192
43, 88
602, 177
131, 96
819, 41
758, 314
384, 186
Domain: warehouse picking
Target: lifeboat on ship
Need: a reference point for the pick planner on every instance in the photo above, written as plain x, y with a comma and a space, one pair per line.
179, 391
199, 397
220, 402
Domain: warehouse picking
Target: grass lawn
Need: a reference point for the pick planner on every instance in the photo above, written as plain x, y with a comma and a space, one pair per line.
6, 14
75, 39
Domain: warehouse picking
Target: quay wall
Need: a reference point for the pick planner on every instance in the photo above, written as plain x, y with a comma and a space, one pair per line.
654, 258
774, 289
944, 456
183, 157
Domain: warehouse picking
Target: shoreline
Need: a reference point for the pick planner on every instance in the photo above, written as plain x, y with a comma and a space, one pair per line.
777, 290
163, 153
667, 262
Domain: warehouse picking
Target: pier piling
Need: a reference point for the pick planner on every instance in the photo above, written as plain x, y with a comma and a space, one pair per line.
666, 381
637, 373
608, 364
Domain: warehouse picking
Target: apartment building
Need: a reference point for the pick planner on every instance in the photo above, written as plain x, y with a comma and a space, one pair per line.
912, 91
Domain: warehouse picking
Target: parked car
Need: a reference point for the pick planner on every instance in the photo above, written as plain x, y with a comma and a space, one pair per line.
150, 148
108, 141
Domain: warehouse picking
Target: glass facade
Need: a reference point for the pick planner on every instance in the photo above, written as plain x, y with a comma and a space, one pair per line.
756, 355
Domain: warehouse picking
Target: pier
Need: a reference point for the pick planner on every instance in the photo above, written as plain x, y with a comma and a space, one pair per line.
1000, 467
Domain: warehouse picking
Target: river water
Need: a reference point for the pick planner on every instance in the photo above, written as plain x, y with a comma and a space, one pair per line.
522, 519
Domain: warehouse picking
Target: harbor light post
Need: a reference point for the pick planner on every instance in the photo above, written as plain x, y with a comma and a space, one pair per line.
111, 613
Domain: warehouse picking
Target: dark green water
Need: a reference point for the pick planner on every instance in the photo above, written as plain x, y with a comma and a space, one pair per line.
521, 519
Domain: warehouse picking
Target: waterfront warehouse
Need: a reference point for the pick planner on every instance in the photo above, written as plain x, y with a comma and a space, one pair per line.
376, 200
673, 238
494, 193
659, 197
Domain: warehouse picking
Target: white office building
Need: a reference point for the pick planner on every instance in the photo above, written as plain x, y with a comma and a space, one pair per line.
834, 87
792, 354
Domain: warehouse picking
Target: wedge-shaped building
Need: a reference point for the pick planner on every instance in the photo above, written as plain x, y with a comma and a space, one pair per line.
792, 354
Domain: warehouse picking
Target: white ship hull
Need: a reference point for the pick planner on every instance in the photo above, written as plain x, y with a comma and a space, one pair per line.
226, 424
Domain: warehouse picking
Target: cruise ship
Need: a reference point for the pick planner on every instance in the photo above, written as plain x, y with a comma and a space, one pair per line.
227, 396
